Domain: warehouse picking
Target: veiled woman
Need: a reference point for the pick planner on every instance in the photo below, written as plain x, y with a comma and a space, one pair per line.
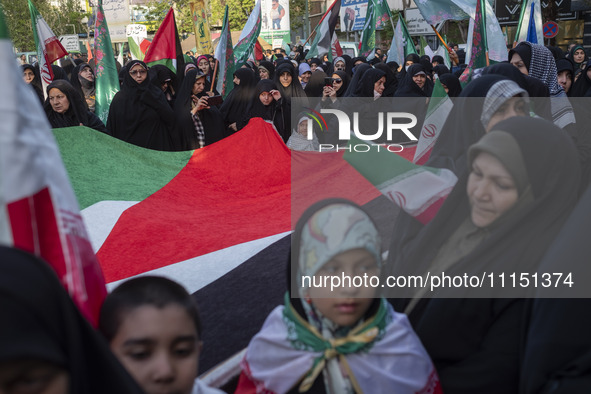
139, 113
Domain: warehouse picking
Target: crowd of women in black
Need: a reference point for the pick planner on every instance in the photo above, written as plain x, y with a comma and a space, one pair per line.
522, 167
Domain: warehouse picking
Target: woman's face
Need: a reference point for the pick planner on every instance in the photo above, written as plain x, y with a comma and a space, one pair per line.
565, 79
58, 100
339, 66
379, 85
199, 85
303, 127
263, 73
420, 80
138, 73
204, 65
33, 376
579, 56
266, 98
337, 82
408, 63
212, 63
518, 62
28, 75
313, 66
159, 347
515, 106
305, 77
352, 302
87, 74
236, 80
445, 88
285, 79
491, 190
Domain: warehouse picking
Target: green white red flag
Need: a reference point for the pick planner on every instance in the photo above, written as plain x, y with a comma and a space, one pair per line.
225, 56
49, 48
248, 38
418, 190
440, 106
166, 46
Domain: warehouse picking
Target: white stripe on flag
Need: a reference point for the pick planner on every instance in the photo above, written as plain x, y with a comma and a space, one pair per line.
101, 218
200, 271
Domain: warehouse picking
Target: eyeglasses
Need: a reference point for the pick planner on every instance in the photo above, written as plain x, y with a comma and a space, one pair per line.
138, 72
337, 80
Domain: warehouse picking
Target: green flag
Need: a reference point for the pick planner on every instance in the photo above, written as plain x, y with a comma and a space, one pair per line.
250, 33
368, 36
107, 79
479, 53
423, 45
225, 56
409, 45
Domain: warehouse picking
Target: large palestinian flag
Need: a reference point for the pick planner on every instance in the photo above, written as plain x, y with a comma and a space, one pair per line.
217, 220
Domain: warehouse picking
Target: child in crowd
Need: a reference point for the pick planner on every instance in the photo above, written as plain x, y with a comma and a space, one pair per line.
346, 341
153, 327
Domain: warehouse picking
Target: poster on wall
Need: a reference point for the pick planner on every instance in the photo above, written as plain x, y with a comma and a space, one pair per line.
117, 16
353, 15
275, 20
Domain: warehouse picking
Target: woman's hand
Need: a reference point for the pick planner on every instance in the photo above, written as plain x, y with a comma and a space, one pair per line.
276, 94
329, 91
201, 103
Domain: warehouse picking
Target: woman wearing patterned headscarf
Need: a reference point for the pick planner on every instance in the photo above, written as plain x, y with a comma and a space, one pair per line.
351, 342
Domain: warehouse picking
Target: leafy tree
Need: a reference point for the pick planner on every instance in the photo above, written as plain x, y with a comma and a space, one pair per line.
156, 12
239, 12
62, 20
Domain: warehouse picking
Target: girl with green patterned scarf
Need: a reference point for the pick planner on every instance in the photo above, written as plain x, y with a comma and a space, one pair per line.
339, 340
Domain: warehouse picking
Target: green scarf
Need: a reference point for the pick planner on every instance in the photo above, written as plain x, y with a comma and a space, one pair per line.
304, 336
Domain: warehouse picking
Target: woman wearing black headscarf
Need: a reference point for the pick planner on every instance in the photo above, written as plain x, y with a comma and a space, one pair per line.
371, 84
357, 75
197, 123
409, 60
415, 83
287, 81
65, 107
391, 80
269, 104
578, 56
82, 79
266, 70
59, 73
451, 84
164, 79
500, 217
582, 86
236, 104
139, 113
32, 78
45, 343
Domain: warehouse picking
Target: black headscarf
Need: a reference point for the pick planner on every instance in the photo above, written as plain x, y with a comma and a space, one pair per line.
159, 74
139, 114
357, 75
277, 112
365, 87
441, 69
211, 119
59, 73
85, 87
295, 88
42, 323
76, 114
267, 65
414, 58
453, 84
36, 82
238, 100
463, 126
475, 343
408, 87
571, 56
582, 86
345, 78
391, 80
315, 85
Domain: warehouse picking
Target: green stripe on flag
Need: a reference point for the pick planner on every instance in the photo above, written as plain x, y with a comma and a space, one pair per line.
104, 168
166, 62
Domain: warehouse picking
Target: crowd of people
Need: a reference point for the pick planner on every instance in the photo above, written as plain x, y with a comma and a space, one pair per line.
523, 166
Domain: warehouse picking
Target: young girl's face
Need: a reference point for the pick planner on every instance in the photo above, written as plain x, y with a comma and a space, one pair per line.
204, 65
352, 302
159, 347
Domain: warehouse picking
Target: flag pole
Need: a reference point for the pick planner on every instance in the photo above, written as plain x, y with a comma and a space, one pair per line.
451, 52
521, 15
321, 19
215, 71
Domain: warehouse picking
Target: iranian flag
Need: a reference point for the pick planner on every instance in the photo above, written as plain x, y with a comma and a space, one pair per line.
38, 209
439, 107
418, 190
49, 48
166, 46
